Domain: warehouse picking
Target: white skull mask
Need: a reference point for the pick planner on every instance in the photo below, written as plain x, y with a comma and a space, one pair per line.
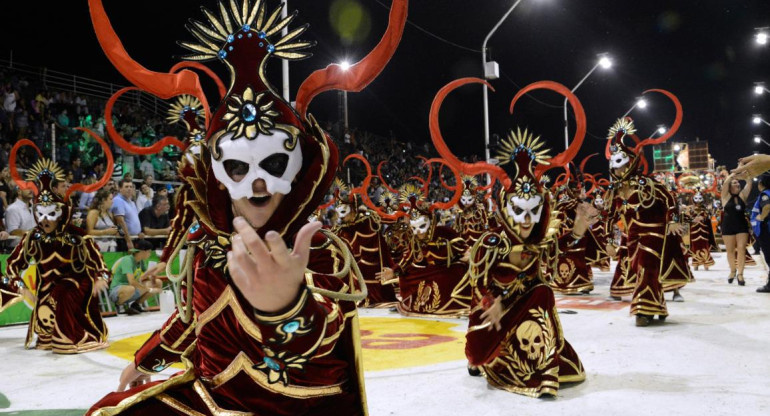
342, 211
420, 226
243, 161
519, 208
698, 198
466, 200
599, 202
47, 212
618, 159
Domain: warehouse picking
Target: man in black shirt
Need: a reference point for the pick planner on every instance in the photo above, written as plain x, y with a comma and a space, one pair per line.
155, 221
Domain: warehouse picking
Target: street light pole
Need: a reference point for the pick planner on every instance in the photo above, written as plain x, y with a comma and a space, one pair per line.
640, 102
483, 66
759, 139
758, 119
604, 62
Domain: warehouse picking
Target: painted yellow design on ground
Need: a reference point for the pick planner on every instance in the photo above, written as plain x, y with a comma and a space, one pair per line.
387, 343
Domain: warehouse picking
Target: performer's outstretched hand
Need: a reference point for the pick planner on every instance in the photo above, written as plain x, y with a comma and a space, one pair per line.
265, 271
752, 166
676, 229
585, 216
493, 315
385, 275
131, 377
99, 286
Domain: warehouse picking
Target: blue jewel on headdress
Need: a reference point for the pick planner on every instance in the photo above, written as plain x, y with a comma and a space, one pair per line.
222, 54
246, 28
195, 227
613, 149
526, 188
261, 35
230, 38
249, 35
240, 36
249, 112
230, 48
261, 44
270, 48
272, 364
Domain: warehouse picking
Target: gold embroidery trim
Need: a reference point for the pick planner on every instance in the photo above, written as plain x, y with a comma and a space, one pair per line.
242, 363
227, 298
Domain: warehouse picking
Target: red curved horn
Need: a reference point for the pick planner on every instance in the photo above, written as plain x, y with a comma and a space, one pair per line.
21, 183
363, 72
580, 120
120, 141
458, 189
366, 166
382, 178
441, 175
674, 127
477, 168
163, 85
206, 70
109, 167
584, 161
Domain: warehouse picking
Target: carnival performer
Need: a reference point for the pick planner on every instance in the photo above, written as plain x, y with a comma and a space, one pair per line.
432, 281
514, 334
360, 229
473, 220
651, 219
572, 273
599, 230
70, 270
700, 224
267, 322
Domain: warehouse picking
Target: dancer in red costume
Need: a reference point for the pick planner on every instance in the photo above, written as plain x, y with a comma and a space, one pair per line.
433, 279
473, 220
267, 320
360, 229
651, 220
514, 336
70, 269
700, 224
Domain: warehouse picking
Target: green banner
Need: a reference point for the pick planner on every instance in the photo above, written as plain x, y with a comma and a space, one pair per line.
20, 312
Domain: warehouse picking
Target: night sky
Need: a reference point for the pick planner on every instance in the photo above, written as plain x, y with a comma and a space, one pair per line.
702, 51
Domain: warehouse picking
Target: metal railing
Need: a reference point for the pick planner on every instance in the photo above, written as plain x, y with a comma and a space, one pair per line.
85, 86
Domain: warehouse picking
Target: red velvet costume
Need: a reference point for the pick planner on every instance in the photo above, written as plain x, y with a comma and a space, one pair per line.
624, 280
647, 208
473, 219
571, 272
66, 318
433, 281
529, 355
700, 243
304, 360
369, 248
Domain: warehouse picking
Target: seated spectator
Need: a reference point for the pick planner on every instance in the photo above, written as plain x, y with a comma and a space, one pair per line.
155, 221
144, 199
77, 170
129, 287
100, 223
18, 215
125, 214
146, 167
86, 198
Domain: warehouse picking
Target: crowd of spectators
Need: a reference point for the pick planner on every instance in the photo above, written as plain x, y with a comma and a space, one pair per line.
138, 201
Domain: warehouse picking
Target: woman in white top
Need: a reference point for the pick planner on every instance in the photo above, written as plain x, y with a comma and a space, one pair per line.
100, 223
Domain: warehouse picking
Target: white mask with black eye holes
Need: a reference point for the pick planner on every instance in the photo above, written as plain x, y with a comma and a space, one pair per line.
520, 208
599, 202
619, 159
420, 226
243, 161
47, 212
698, 198
342, 211
466, 201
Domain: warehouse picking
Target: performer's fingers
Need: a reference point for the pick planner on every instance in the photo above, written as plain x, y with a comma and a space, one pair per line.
251, 240
278, 249
304, 238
